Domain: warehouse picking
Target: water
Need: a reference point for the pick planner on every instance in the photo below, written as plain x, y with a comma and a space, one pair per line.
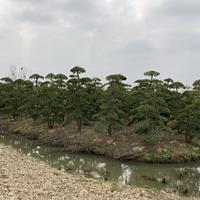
183, 179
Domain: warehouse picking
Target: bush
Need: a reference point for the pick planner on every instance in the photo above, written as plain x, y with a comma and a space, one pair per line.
164, 156
153, 137
142, 126
100, 128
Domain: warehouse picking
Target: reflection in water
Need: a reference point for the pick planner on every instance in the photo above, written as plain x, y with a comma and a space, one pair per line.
126, 175
178, 178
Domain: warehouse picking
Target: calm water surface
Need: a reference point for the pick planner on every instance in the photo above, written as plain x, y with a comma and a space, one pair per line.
178, 178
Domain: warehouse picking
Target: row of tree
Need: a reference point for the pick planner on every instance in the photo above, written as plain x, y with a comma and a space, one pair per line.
151, 106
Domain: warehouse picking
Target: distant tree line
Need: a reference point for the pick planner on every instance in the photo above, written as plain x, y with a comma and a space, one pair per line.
152, 106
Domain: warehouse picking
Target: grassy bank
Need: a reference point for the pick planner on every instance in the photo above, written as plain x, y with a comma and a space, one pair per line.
21, 179
127, 146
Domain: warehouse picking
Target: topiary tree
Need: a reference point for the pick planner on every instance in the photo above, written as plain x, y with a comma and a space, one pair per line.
168, 82
76, 71
177, 86
151, 74
36, 78
50, 77
188, 117
74, 85
13, 96
52, 107
196, 85
111, 115
91, 98
7, 80
188, 121
151, 112
61, 81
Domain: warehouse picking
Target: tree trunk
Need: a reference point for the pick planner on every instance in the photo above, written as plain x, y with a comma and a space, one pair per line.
79, 124
110, 130
188, 138
51, 123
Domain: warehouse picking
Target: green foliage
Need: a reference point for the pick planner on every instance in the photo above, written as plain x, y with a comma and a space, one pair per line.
12, 98
103, 148
77, 70
36, 78
163, 156
151, 74
177, 85
150, 113
149, 107
196, 85
116, 78
52, 105
7, 80
111, 113
76, 94
142, 126
153, 138
100, 128
189, 120
50, 76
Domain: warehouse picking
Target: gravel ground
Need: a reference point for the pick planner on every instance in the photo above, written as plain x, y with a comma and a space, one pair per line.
23, 178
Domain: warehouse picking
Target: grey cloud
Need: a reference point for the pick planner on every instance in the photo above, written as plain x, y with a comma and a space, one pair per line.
176, 11
181, 8
103, 36
74, 11
138, 47
30, 15
184, 42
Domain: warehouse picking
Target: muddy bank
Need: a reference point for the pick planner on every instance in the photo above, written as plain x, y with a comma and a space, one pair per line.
21, 179
125, 146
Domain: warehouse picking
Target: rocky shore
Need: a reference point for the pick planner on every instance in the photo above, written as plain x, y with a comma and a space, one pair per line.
24, 178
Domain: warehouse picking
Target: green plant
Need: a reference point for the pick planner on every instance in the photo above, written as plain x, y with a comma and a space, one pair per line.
153, 137
163, 156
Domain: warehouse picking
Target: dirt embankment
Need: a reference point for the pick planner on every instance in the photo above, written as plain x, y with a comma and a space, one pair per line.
123, 145
24, 178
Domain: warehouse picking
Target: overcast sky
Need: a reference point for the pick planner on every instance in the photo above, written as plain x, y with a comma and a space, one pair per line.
104, 36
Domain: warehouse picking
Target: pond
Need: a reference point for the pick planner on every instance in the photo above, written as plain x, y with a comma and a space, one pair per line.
183, 179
